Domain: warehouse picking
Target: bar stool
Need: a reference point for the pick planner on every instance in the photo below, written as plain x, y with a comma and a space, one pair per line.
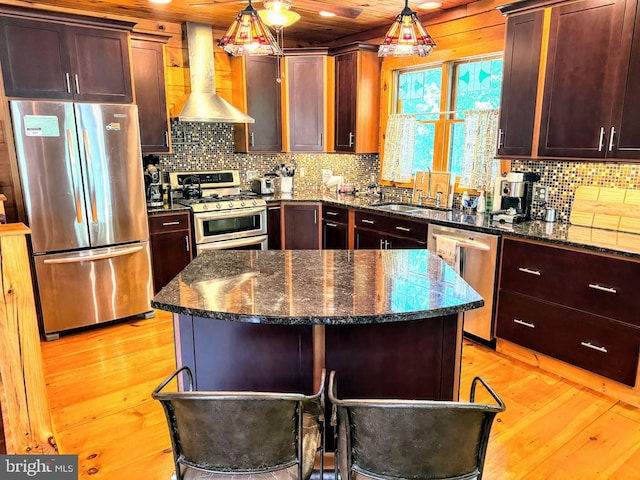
244, 435
411, 439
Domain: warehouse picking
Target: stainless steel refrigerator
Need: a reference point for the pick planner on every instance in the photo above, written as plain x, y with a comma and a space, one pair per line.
81, 173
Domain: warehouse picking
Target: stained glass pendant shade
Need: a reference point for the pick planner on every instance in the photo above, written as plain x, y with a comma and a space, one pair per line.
406, 36
247, 35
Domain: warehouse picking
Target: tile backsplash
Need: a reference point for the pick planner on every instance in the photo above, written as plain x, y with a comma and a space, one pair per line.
209, 146
563, 178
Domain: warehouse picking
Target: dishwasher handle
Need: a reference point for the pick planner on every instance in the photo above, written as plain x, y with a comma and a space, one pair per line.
465, 243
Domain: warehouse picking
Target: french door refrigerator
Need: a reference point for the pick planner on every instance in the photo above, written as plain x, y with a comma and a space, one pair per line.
81, 173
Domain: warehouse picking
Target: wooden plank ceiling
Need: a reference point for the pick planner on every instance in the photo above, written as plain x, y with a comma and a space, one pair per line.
371, 22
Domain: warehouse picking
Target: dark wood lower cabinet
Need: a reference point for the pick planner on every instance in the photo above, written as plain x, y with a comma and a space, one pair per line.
603, 346
171, 250
335, 236
274, 231
412, 359
301, 226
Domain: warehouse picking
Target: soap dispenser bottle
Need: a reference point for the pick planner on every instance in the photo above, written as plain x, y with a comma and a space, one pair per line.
481, 202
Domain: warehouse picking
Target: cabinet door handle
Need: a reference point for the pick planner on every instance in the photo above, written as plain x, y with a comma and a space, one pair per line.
252, 142
370, 222
333, 214
403, 229
351, 138
529, 271
611, 135
387, 244
381, 244
186, 243
166, 224
321, 139
601, 141
77, 83
333, 225
523, 323
166, 138
500, 138
315, 217
595, 286
68, 79
594, 347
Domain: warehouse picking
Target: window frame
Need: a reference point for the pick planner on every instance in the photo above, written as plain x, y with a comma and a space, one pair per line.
443, 125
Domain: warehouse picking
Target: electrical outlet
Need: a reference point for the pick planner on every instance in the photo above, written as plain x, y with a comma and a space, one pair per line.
302, 171
251, 174
540, 194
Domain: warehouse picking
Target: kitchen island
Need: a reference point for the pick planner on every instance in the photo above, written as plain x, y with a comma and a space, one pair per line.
386, 320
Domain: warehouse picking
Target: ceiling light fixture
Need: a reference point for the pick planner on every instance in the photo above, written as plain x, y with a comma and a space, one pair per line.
247, 35
406, 36
160, 1
324, 13
276, 14
429, 5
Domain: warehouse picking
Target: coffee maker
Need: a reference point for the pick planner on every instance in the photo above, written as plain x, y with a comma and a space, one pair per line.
153, 185
513, 196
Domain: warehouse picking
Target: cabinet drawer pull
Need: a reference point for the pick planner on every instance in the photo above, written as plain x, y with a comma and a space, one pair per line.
404, 229
370, 222
523, 323
529, 271
333, 225
166, 224
594, 347
329, 212
595, 286
273, 208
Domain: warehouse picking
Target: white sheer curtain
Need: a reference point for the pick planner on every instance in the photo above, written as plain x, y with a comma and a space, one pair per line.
479, 167
399, 143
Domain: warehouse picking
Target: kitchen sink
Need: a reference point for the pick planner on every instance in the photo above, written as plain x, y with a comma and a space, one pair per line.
401, 207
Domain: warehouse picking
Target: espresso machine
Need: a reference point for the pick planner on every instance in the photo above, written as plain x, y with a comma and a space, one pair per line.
513, 196
153, 185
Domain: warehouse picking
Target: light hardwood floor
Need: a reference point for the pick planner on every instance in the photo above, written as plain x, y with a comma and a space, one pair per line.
100, 381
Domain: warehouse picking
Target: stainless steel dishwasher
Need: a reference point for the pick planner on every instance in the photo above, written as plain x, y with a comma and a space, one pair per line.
478, 266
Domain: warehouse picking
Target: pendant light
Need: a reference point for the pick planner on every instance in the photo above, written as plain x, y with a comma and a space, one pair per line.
247, 35
406, 36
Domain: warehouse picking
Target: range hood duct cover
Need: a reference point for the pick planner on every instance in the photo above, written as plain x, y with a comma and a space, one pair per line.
203, 105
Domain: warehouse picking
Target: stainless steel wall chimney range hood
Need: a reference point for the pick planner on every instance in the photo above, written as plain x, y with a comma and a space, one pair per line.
203, 105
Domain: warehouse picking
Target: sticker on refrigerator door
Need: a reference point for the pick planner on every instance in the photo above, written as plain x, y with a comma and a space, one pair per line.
41, 126
113, 126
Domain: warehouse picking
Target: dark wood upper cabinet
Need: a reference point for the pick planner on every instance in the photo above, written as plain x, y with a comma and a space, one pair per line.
149, 81
305, 84
519, 83
259, 95
584, 55
626, 107
357, 98
53, 60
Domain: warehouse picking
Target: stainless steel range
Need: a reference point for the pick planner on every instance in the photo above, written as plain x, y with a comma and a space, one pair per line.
224, 217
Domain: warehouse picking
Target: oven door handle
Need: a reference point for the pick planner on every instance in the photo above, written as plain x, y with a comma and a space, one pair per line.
236, 212
226, 244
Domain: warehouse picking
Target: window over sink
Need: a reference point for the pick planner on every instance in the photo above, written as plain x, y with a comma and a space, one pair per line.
439, 97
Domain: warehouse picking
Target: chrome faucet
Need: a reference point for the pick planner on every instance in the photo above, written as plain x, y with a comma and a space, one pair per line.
438, 196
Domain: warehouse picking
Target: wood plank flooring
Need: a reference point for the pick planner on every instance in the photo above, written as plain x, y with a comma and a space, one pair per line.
100, 381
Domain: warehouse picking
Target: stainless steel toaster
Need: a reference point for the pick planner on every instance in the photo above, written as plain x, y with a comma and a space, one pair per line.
262, 185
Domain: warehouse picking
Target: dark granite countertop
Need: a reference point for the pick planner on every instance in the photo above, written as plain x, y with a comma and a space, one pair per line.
331, 287
596, 239
176, 207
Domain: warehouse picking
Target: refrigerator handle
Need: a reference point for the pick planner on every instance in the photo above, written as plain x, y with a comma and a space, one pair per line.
92, 184
75, 258
76, 190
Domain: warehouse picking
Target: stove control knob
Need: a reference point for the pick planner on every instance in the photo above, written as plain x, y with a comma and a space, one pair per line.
230, 204
242, 203
218, 206
205, 206
255, 202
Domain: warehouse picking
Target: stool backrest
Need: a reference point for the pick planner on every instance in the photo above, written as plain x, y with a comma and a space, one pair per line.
235, 432
412, 439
